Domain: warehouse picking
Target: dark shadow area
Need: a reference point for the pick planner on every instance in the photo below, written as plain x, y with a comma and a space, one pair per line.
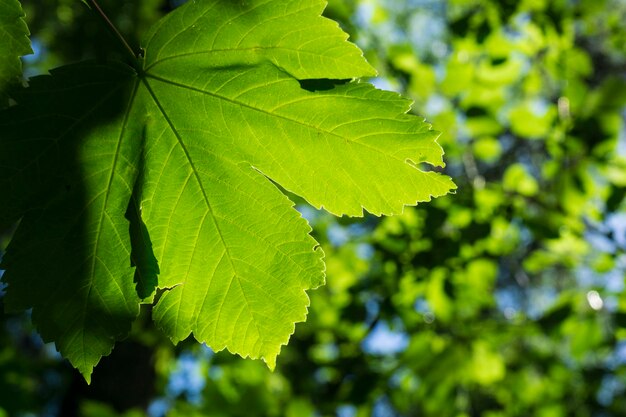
142, 256
45, 164
320, 84
122, 380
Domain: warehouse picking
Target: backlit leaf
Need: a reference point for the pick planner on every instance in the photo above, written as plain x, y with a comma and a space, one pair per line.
162, 177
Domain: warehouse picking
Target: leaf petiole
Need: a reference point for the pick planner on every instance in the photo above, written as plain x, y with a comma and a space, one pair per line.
117, 33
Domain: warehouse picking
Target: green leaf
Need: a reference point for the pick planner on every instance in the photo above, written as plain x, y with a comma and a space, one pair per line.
70, 258
14, 34
173, 167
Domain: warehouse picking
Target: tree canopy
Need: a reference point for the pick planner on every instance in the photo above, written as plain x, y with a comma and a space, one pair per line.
504, 299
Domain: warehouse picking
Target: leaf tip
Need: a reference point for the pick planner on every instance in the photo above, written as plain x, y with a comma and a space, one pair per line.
270, 361
87, 376
85, 369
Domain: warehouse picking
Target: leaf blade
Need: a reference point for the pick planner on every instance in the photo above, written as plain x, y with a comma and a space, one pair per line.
217, 189
70, 258
223, 111
368, 128
289, 33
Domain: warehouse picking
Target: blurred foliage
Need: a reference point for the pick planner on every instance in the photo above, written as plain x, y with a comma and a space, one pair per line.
506, 299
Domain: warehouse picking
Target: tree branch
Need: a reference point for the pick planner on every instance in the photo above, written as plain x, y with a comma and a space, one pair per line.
110, 24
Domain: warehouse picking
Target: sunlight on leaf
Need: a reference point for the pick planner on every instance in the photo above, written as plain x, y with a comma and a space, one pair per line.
170, 168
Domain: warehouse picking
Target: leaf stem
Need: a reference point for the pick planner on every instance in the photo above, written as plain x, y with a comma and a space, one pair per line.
117, 33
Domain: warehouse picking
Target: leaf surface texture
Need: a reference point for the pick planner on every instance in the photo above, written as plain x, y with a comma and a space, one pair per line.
162, 178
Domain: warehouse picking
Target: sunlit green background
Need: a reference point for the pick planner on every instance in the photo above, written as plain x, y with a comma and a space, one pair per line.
505, 299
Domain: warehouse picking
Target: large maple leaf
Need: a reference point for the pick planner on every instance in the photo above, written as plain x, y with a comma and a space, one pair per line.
129, 180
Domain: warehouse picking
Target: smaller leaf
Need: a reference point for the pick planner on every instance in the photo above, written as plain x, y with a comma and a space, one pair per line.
14, 35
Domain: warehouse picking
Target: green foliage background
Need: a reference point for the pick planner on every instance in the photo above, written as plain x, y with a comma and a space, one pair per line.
506, 299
